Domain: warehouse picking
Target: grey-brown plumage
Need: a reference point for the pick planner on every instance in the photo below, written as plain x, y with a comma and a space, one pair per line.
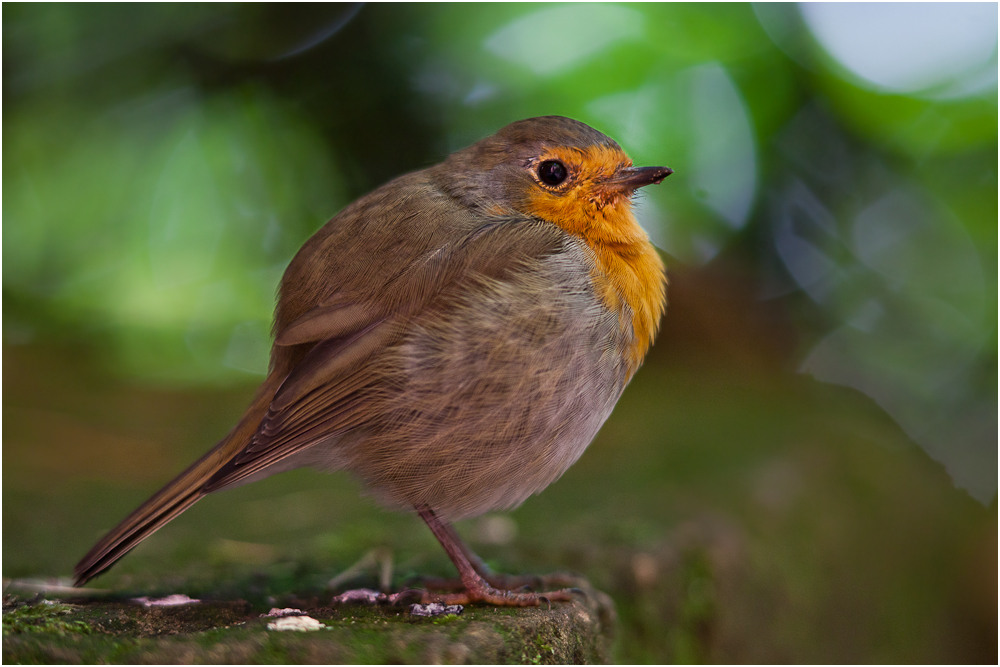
450, 349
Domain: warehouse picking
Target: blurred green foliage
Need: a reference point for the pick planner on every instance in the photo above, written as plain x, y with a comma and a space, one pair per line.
163, 163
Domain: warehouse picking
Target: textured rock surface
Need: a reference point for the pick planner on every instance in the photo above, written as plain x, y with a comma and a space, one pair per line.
229, 632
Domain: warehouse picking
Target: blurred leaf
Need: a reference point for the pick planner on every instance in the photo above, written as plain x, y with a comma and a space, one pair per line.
169, 217
913, 126
556, 38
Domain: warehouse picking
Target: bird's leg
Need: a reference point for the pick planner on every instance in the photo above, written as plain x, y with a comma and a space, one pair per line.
508, 582
473, 573
481, 568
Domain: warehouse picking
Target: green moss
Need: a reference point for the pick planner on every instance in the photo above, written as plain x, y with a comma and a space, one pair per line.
445, 619
46, 617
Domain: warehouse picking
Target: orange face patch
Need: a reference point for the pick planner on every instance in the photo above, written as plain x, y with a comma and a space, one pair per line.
590, 204
588, 201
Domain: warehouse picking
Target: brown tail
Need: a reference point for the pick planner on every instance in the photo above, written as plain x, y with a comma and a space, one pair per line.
185, 490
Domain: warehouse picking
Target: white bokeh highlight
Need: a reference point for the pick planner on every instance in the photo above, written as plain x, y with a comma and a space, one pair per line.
940, 49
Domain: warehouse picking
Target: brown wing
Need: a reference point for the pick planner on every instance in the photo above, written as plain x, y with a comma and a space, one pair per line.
337, 384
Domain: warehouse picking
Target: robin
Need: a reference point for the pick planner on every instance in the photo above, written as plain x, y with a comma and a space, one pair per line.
454, 339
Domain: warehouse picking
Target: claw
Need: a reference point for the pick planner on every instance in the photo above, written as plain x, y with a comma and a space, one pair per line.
474, 581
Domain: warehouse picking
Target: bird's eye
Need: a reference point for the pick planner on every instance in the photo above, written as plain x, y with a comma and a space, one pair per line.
552, 172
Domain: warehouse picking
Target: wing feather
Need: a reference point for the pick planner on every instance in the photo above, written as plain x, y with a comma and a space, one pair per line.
338, 383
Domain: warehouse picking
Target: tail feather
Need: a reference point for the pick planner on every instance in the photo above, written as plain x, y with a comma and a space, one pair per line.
177, 496
183, 491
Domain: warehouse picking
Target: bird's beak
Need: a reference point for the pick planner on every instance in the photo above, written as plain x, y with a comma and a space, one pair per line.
634, 178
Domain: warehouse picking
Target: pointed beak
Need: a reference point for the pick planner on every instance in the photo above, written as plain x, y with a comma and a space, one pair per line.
634, 178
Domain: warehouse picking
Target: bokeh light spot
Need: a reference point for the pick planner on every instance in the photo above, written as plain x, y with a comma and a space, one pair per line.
949, 49
554, 39
724, 159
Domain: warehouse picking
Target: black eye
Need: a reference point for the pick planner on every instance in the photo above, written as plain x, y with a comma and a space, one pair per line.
552, 172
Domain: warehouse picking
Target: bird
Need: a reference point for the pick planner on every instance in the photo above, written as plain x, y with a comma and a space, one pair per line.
454, 339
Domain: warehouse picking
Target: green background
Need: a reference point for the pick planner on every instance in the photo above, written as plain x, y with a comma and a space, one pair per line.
804, 469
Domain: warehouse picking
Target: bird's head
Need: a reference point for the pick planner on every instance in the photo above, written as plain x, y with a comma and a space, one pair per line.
554, 168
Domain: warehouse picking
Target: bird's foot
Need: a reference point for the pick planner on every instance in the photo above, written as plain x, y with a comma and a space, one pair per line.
478, 584
508, 582
487, 594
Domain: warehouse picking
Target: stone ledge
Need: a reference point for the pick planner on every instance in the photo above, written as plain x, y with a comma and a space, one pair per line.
230, 632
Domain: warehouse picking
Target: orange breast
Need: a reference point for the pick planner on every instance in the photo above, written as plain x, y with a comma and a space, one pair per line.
636, 275
629, 271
